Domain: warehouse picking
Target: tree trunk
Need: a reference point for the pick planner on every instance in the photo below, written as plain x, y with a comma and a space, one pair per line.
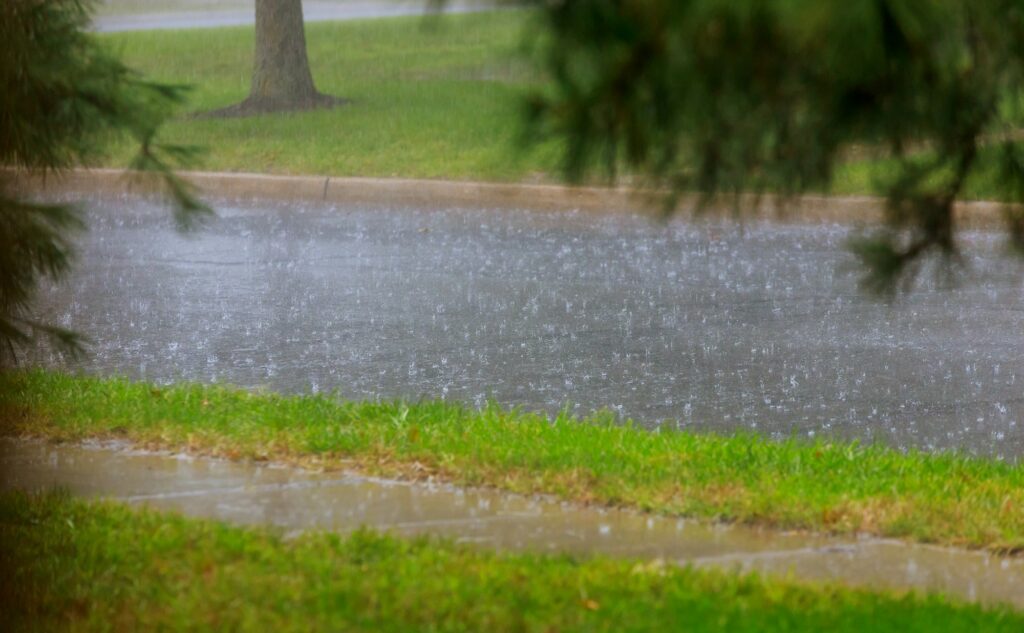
280, 74
281, 79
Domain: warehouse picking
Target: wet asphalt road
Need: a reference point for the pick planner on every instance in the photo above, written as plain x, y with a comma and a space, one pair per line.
196, 14
699, 326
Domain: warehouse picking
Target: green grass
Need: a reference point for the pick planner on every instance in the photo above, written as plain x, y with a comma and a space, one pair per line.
871, 176
827, 486
430, 99
72, 565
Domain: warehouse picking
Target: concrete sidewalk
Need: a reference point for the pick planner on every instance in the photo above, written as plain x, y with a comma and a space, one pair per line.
433, 194
294, 500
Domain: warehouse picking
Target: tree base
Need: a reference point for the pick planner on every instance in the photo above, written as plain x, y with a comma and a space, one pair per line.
255, 105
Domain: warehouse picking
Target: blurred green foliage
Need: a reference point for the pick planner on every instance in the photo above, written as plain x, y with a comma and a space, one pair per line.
729, 96
63, 96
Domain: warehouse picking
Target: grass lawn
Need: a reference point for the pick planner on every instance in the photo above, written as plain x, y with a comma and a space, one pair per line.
430, 99
72, 565
836, 487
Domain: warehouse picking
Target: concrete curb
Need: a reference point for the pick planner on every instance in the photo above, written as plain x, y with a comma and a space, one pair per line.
447, 193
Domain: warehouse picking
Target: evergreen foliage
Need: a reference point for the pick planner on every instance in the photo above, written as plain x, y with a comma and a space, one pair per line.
63, 96
729, 96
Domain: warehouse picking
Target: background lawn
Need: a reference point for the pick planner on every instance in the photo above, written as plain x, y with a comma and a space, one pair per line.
429, 99
435, 97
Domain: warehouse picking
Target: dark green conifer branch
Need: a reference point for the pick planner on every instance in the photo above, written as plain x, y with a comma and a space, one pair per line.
64, 96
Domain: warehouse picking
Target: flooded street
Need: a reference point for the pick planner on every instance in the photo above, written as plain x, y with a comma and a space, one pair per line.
294, 500
710, 327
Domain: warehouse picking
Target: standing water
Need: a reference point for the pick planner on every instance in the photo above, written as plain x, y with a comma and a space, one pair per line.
698, 326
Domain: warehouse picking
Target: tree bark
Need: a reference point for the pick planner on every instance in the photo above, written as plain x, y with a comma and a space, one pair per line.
281, 72
281, 79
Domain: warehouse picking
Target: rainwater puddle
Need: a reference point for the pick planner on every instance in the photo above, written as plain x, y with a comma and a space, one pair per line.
295, 500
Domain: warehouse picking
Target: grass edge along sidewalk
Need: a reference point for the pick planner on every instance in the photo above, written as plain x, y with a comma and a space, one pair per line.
824, 486
88, 566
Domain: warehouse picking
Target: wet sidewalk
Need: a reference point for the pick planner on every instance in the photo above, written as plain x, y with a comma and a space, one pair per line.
295, 500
